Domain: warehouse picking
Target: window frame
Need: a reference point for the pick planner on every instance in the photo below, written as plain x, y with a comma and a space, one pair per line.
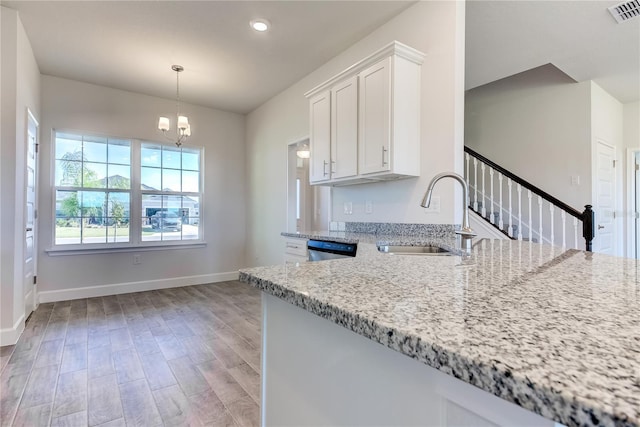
135, 201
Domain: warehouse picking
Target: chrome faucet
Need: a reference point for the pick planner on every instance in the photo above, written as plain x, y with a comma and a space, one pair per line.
466, 233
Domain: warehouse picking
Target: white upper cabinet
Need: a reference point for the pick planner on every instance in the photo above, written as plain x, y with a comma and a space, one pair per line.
365, 121
320, 134
344, 129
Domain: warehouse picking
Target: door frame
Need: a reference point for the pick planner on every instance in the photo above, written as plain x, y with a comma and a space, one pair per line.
31, 297
632, 234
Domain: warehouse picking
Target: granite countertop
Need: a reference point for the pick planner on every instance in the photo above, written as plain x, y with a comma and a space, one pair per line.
556, 332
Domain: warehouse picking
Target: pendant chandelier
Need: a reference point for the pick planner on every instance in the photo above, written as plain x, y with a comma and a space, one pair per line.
183, 129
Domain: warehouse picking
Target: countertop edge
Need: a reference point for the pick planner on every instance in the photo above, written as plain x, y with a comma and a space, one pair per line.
495, 378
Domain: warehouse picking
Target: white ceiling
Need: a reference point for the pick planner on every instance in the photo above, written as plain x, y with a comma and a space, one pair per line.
580, 38
131, 45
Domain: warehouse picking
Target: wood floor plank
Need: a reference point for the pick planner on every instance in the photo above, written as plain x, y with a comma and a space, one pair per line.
74, 357
174, 407
100, 362
103, 400
145, 342
71, 393
224, 353
33, 416
210, 410
76, 419
245, 411
171, 347
120, 339
98, 337
11, 390
188, 375
197, 350
138, 405
248, 379
127, 365
40, 387
50, 353
221, 382
157, 371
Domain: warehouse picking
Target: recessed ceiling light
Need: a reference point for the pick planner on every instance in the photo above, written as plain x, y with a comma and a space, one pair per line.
260, 25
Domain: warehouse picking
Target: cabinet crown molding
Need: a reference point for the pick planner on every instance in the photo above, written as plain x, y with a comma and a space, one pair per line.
395, 48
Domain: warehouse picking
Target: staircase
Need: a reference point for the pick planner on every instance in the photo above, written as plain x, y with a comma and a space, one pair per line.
521, 210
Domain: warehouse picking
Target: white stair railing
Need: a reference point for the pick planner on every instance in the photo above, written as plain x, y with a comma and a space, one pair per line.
519, 224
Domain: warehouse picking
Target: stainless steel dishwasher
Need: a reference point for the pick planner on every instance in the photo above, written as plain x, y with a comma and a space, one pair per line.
320, 250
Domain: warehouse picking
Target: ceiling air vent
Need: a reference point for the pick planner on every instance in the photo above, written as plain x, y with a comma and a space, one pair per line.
625, 11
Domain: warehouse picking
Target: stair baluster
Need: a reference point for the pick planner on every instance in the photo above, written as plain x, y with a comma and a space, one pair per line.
510, 226
519, 188
500, 222
475, 184
553, 237
563, 215
491, 211
484, 209
540, 216
530, 217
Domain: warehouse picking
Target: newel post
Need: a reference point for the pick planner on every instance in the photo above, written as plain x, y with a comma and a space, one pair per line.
588, 224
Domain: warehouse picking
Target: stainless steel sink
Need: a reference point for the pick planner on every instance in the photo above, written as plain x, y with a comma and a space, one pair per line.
413, 250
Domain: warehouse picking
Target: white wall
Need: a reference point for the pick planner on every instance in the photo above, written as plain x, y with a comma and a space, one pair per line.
71, 105
20, 83
607, 125
631, 142
537, 125
435, 28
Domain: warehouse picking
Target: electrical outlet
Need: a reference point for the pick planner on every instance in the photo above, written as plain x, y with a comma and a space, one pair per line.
137, 259
575, 179
348, 208
368, 207
434, 207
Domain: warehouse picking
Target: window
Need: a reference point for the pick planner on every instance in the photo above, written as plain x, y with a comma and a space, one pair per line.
100, 181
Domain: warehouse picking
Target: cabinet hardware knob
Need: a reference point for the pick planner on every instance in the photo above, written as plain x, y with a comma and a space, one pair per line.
384, 150
600, 227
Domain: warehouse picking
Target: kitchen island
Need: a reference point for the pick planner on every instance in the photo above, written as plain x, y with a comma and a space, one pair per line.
545, 335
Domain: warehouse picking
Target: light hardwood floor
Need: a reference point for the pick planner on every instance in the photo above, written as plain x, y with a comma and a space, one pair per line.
173, 357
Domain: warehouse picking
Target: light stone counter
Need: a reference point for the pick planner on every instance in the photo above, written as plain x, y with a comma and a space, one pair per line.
556, 332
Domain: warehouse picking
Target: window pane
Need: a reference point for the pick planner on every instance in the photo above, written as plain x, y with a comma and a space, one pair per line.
95, 149
119, 176
190, 205
68, 173
67, 204
119, 151
151, 179
190, 181
150, 205
170, 180
93, 231
67, 145
172, 204
118, 204
190, 229
190, 159
117, 231
67, 231
92, 205
151, 155
171, 157
94, 175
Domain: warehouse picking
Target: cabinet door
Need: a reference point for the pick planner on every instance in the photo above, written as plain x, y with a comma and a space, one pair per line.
375, 117
344, 129
320, 137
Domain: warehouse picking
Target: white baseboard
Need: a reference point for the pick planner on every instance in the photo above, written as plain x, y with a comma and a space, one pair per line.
9, 336
125, 288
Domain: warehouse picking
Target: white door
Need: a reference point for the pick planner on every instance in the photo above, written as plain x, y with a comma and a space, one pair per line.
605, 180
31, 179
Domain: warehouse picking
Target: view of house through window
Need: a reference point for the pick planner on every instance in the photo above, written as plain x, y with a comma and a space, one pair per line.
95, 191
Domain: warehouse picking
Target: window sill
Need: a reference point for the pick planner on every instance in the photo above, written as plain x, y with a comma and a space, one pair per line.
62, 251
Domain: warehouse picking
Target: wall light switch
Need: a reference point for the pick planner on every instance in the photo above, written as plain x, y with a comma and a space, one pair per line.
137, 259
348, 208
368, 207
434, 207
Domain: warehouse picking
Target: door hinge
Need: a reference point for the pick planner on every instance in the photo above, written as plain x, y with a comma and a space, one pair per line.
614, 163
637, 167
37, 145
35, 280
35, 214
